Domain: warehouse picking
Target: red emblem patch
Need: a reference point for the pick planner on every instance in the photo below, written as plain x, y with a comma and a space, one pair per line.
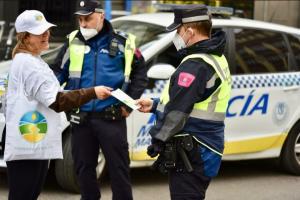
185, 79
138, 53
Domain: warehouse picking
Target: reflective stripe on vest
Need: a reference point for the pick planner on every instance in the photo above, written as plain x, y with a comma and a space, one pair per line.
77, 49
129, 53
214, 107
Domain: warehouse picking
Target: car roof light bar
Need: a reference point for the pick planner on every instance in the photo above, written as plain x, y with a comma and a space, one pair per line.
220, 10
228, 11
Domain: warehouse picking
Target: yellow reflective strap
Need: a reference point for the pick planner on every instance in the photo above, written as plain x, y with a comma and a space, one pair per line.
164, 98
77, 49
218, 101
72, 36
210, 59
129, 53
225, 91
203, 105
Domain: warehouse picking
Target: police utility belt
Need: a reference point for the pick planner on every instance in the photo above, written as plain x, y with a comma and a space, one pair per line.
112, 112
174, 150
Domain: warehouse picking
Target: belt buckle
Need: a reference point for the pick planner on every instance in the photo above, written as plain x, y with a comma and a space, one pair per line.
75, 119
112, 113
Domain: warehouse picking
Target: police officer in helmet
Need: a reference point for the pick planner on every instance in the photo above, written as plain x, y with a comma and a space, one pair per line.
98, 55
189, 133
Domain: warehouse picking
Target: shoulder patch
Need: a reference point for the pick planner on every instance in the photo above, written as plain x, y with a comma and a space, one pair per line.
120, 37
185, 79
138, 53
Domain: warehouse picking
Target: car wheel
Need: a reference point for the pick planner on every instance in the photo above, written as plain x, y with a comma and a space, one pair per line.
290, 154
64, 169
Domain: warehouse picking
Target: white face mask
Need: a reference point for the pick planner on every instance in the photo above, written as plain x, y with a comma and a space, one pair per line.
178, 42
88, 33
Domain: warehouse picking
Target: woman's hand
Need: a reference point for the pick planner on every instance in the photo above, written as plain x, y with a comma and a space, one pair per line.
102, 92
145, 103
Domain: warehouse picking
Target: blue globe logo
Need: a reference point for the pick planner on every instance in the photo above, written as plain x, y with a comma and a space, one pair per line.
33, 126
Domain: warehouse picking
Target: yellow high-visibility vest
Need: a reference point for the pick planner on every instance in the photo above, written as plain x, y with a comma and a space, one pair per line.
214, 107
77, 49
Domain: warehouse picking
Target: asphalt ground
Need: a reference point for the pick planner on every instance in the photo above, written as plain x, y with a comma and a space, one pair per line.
243, 180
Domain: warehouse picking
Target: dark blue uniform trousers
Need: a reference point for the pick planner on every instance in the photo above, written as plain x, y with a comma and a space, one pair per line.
189, 185
111, 137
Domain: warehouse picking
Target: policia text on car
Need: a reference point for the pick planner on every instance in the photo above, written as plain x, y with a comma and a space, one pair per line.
189, 133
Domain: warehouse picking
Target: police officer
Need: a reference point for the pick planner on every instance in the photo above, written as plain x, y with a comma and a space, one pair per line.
191, 111
95, 55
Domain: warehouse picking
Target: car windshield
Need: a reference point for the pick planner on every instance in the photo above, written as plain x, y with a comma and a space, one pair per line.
145, 33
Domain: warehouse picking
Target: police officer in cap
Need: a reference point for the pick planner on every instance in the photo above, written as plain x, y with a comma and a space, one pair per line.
191, 111
98, 55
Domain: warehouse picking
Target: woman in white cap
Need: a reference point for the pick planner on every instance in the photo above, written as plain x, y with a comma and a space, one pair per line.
33, 129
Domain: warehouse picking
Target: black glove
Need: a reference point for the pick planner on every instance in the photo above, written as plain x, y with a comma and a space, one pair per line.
159, 165
155, 148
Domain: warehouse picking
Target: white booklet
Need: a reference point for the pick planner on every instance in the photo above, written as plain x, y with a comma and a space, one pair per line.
123, 97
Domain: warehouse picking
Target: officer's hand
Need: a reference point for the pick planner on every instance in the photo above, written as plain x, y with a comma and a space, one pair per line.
145, 104
125, 113
102, 92
155, 148
159, 165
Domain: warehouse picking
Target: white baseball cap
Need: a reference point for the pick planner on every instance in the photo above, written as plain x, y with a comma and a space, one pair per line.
32, 21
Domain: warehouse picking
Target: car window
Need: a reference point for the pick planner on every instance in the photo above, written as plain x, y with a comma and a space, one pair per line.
145, 33
295, 45
260, 51
7, 40
168, 55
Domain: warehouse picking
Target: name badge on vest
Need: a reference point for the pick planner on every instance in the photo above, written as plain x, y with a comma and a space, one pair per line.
87, 49
113, 47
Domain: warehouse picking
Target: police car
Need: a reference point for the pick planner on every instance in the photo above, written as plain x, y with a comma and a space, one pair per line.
263, 115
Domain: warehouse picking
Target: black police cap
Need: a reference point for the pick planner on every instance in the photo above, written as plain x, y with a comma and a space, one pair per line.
87, 7
187, 14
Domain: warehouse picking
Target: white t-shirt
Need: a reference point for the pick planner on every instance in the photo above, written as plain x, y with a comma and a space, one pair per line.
33, 130
40, 83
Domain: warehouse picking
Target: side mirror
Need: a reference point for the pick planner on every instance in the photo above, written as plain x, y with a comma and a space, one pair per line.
161, 71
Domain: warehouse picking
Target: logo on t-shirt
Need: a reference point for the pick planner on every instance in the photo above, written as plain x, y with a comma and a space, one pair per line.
33, 126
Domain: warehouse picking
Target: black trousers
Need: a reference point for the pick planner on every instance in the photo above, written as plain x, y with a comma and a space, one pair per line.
185, 185
111, 137
26, 178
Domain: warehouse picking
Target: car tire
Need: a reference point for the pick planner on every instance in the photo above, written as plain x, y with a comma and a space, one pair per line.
290, 154
64, 169
2, 142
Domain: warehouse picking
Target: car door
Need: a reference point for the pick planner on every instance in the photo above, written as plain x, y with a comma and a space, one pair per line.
143, 122
263, 97
151, 40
